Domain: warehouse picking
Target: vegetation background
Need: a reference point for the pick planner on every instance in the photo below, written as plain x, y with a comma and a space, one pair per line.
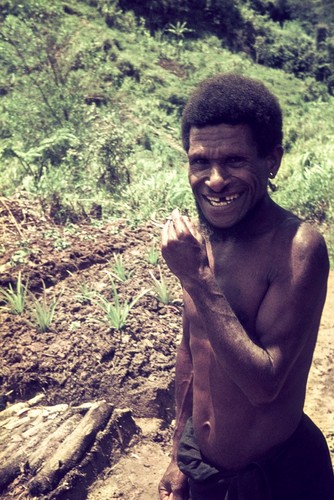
91, 94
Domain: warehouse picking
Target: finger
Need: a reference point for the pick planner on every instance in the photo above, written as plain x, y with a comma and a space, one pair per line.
189, 225
192, 228
175, 496
164, 235
180, 226
167, 233
175, 213
163, 494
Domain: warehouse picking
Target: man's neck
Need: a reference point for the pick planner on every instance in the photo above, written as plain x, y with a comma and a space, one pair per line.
261, 219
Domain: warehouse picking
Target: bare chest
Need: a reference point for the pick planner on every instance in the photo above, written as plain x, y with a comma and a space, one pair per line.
243, 273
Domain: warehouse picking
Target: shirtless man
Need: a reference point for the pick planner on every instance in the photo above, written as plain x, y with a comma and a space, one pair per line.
254, 284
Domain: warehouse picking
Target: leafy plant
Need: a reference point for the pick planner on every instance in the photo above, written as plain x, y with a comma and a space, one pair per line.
160, 288
43, 311
116, 312
61, 244
289, 48
14, 298
20, 256
178, 31
118, 270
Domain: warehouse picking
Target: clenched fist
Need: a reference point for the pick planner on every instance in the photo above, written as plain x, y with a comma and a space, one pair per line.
183, 248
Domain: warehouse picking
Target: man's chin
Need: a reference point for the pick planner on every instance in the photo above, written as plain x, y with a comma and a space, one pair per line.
208, 230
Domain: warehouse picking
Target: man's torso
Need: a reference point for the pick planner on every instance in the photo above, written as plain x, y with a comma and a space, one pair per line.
230, 429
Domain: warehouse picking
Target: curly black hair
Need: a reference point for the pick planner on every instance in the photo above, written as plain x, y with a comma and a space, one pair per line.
235, 99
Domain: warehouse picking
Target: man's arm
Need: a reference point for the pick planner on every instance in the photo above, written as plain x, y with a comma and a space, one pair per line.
174, 484
183, 386
290, 310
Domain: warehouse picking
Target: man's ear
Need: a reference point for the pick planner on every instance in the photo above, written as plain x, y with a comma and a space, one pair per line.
274, 161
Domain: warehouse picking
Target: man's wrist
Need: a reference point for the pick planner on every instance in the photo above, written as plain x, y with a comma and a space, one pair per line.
204, 278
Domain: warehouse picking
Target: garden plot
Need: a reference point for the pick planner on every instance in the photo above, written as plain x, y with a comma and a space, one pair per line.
81, 358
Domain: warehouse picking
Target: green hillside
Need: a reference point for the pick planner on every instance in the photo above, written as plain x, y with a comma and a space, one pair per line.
91, 95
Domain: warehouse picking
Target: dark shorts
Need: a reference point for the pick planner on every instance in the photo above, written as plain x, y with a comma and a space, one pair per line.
298, 469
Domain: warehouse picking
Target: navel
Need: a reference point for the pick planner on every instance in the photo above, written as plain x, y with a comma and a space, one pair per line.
206, 427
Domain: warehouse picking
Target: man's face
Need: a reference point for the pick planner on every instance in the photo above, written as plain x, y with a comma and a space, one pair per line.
226, 173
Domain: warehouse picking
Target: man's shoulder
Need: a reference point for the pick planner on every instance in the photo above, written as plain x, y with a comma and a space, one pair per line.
308, 238
299, 231
307, 234
304, 242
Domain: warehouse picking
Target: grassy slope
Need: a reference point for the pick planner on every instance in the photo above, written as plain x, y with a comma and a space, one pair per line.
148, 80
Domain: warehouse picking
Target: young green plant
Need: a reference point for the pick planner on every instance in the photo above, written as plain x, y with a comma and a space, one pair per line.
160, 288
43, 311
119, 271
86, 294
153, 256
14, 298
116, 312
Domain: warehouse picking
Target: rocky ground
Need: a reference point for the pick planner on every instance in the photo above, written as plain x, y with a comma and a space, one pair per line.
83, 357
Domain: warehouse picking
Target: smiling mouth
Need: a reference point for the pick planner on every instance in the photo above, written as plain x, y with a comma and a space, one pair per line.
221, 201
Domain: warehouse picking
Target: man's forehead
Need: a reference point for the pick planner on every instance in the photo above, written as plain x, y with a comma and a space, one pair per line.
214, 135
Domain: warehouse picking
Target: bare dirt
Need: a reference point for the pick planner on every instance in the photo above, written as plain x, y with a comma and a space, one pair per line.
80, 358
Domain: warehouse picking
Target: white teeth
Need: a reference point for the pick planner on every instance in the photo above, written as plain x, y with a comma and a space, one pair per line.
233, 197
222, 202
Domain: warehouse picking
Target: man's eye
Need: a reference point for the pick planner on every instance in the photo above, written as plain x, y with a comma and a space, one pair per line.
199, 163
234, 161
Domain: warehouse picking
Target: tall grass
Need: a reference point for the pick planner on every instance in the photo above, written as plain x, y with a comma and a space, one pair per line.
307, 187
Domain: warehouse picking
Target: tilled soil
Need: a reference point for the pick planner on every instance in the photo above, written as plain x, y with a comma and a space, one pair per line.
82, 357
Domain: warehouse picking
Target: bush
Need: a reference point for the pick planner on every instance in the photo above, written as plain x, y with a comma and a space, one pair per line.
289, 49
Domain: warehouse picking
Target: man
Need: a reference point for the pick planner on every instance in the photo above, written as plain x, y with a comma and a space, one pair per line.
254, 284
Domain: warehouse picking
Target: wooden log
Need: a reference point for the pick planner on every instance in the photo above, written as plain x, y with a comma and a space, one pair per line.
71, 450
18, 408
107, 449
56, 452
14, 424
52, 440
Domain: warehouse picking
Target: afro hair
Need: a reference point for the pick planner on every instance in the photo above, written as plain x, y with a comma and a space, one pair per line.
235, 99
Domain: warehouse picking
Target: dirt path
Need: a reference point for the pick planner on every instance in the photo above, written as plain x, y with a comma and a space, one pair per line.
135, 477
320, 391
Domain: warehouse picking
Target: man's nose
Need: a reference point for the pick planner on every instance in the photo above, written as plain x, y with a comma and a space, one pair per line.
217, 179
